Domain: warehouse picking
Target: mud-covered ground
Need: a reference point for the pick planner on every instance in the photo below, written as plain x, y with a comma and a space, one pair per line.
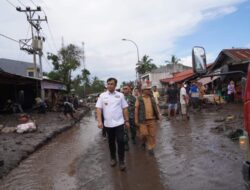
15, 147
194, 154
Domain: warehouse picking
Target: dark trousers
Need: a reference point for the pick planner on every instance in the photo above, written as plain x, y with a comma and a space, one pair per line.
116, 134
231, 97
132, 128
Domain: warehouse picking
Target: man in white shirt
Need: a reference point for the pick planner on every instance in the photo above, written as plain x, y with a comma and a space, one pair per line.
114, 108
184, 101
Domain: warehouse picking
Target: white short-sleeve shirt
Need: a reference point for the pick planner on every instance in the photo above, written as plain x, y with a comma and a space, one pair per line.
112, 105
182, 93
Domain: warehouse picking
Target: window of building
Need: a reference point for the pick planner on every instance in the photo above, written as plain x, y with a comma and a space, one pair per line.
31, 73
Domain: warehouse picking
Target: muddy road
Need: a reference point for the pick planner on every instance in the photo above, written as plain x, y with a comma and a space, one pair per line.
188, 156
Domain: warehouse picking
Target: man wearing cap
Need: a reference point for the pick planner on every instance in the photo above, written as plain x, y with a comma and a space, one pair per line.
114, 108
146, 114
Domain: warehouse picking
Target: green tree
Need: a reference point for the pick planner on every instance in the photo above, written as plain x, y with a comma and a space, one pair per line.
77, 85
174, 61
97, 85
67, 61
85, 77
146, 65
130, 83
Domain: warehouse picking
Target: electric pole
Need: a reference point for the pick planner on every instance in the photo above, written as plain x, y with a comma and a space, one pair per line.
36, 41
36, 46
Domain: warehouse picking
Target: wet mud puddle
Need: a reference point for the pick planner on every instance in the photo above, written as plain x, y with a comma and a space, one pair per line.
54, 165
79, 159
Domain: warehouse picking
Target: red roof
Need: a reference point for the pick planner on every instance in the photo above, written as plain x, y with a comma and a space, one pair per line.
178, 77
241, 54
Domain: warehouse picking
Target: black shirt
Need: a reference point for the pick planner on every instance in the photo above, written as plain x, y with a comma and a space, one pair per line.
172, 95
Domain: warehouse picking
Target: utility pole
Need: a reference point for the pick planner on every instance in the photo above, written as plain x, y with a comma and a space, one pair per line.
36, 45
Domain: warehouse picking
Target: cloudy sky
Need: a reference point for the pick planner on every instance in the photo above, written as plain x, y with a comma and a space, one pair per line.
160, 28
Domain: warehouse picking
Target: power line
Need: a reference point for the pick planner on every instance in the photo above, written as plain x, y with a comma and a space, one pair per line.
36, 6
21, 3
47, 41
52, 37
45, 5
47, 61
28, 31
11, 4
9, 38
49, 28
33, 3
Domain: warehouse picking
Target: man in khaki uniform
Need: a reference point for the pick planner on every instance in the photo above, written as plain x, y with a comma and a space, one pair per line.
146, 114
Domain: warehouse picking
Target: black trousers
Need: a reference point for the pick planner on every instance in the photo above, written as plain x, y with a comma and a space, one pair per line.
116, 134
132, 128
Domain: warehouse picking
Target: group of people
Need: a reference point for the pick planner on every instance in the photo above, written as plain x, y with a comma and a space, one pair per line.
117, 112
180, 97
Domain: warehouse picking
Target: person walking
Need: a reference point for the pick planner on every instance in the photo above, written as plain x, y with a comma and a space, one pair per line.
156, 94
231, 91
172, 99
184, 101
194, 93
146, 114
115, 111
131, 111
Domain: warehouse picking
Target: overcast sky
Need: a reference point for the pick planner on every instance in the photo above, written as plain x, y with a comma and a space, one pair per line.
160, 28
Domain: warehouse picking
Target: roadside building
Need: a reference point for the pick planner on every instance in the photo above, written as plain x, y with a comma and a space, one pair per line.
231, 60
167, 71
18, 84
18, 89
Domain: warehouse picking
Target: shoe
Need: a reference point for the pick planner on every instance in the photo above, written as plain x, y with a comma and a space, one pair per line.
122, 166
143, 146
126, 147
151, 152
112, 162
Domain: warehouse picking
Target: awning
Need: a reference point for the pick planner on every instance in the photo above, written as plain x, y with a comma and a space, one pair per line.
52, 85
207, 80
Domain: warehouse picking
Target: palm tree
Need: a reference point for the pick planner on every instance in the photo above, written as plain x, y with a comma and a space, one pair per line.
174, 61
145, 65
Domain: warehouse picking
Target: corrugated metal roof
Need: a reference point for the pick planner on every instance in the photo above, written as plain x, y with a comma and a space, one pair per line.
15, 67
240, 54
8, 78
178, 77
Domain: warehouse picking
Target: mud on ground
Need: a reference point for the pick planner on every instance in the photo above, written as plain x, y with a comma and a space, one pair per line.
15, 147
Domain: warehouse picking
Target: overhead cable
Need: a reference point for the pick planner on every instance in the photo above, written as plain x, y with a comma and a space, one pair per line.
9, 38
11, 4
21, 3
